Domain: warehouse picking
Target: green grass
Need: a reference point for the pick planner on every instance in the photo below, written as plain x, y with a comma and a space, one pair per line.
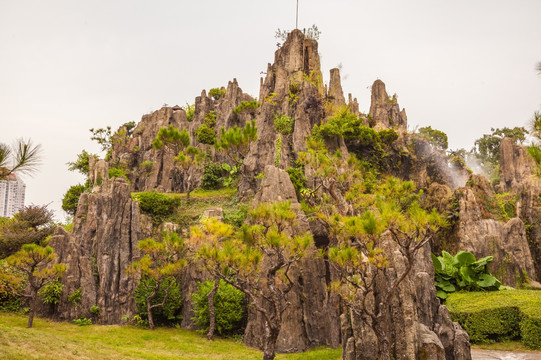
498, 316
52, 340
514, 346
188, 214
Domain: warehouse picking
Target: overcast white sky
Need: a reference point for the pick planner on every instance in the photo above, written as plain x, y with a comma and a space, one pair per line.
461, 66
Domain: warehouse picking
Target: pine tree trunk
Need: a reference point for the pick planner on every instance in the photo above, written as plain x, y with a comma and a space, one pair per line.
149, 315
30, 316
271, 336
32, 311
212, 314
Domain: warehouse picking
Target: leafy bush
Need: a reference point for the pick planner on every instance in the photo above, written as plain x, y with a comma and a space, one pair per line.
94, 309
232, 172
499, 315
190, 112
210, 119
50, 293
296, 175
117, 172
158, 206
462, 272
229, 305
75, 297
8, 301
436, 137
236, 217
71, 197
246, 105
212, 176
216, 93
170, 312
283, 124
82, 321
206, 134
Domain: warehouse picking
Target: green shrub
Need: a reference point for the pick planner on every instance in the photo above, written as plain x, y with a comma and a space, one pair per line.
462, 272
8, 301
236, 217
229, 307
158, 206
71, 198
168, 314
210, 119
499, 315
487, 326
436, 137
82, 321
296, 175
246, 105
190, 112
117, 172
212, 177
94, 309
75, 297
284, 124
206, 134
216, 93
50, 293
530, 329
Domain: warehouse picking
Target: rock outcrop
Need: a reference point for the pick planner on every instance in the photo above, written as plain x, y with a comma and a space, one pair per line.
312, 317
417, 325
148, 168
384, 109
293, 87
518, 174
99, 250
482, 235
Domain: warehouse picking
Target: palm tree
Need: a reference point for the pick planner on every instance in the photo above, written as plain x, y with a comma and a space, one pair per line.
22, 157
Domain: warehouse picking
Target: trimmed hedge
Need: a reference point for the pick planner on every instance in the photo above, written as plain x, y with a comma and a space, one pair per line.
498, 316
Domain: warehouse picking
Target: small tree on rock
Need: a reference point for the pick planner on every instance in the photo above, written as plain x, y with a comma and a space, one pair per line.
162, 263
266, 283
32, 262
391, 214
188, 158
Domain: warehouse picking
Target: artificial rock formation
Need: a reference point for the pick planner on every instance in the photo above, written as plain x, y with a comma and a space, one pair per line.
149, 168
108, 223
311, 319
385, 111
293, 87
99, 250
417, 325
518, 174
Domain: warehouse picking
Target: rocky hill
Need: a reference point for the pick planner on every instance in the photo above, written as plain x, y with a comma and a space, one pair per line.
108, 223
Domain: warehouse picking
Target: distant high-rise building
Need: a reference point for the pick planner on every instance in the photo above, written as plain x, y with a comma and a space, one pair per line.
11, 196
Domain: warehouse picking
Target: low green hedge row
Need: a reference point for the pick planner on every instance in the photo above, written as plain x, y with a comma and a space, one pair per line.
499, 315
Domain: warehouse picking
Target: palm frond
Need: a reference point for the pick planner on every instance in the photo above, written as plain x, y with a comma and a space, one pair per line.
27, 156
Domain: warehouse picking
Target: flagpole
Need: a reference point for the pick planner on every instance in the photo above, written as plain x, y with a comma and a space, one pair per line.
297, 18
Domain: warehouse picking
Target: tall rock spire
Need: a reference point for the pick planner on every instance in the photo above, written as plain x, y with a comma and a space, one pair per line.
385, 110
293, 87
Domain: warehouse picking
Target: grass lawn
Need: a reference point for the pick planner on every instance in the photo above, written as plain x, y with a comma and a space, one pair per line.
52, 340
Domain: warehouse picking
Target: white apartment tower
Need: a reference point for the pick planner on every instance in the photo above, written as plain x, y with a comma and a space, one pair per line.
11, 196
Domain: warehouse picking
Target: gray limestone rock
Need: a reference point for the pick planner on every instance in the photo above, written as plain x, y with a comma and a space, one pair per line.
385, 110
107, 227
